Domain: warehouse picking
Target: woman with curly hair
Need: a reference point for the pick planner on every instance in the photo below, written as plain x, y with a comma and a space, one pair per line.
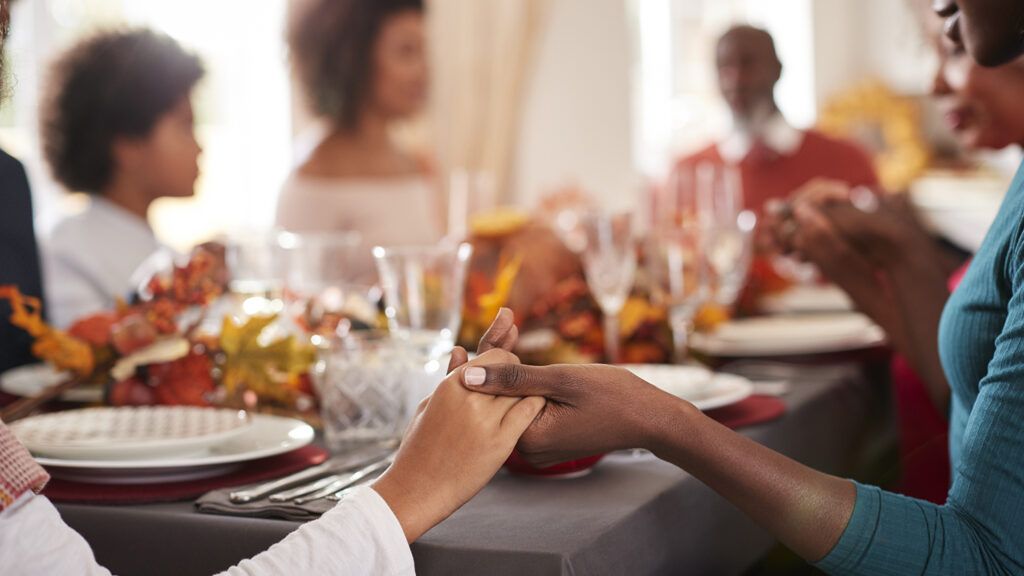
363, 67
117, 124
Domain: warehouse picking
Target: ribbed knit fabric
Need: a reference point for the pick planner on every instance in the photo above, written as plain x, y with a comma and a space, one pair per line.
980, 530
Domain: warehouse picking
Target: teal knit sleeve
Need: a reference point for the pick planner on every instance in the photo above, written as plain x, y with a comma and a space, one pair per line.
980, 530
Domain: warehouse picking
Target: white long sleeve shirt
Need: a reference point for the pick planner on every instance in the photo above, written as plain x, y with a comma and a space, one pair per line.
359, 536
89, 260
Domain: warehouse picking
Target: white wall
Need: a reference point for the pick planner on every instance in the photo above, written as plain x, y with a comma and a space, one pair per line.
857, 39
577, 118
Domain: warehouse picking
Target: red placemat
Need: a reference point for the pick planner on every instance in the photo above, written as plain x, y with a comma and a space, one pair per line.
60, 490
753, 410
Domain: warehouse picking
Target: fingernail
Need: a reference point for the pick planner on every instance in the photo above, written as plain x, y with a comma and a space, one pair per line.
475, 376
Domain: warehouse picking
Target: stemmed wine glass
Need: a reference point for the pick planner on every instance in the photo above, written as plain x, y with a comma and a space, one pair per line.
728, 229
730, 254
679, 278
609, 262
708, 200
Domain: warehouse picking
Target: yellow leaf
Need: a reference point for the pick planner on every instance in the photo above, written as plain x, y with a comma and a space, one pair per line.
490, 303
269, 370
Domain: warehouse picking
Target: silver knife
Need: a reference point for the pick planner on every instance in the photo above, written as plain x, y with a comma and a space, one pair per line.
339, 496
331, 466
344, 482
306, 488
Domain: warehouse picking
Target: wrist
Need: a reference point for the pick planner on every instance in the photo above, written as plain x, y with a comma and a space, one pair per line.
409, 510
918, 269
663, 426
906, 248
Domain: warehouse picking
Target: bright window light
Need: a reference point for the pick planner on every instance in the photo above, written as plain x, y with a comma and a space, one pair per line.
243, 106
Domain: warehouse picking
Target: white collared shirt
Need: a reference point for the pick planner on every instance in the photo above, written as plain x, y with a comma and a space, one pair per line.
358, 536
776, 133
89, 259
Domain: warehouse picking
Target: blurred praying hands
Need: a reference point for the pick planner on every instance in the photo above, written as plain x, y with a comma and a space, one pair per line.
873, 246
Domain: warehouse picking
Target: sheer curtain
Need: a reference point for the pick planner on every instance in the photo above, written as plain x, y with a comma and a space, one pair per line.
483, 56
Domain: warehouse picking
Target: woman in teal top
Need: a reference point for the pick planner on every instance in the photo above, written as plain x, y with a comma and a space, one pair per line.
981, 527
844, 527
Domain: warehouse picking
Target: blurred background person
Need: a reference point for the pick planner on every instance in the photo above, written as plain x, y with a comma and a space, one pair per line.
117, 124
773, 157
363, 66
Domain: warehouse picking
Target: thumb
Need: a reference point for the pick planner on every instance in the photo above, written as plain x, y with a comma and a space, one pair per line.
514, 380
502, 334
459, 357
521, 415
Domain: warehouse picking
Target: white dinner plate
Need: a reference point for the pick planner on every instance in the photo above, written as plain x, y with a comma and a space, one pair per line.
790, 336
267, 436
807, 299
32, 379
959, 207
129, 432
704, 389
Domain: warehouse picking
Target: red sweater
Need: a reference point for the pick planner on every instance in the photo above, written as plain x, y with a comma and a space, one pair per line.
768, 175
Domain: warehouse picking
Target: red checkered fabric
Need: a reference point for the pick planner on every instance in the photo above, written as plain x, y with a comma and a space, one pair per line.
19, 473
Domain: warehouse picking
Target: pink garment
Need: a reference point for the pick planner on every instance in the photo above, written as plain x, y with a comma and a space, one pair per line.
924, 437
19, 473
402, 211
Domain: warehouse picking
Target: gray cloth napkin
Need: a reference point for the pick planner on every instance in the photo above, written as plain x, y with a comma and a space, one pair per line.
218, 502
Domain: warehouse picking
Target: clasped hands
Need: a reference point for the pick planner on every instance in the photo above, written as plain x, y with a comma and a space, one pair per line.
463, 433
831, 223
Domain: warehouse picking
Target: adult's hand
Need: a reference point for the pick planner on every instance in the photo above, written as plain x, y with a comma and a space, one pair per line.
877, 251
881, 227
780, 225
820, 241
591, 409
456, 443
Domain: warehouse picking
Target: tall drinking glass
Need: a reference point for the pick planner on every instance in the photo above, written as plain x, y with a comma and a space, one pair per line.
423, 290
255, 261
609, 262
325, 289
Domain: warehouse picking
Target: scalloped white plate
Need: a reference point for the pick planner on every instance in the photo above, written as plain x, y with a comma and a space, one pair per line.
129, 432
267, 436
704, 389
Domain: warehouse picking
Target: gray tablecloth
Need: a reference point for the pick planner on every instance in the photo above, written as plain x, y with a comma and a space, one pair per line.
629, 516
